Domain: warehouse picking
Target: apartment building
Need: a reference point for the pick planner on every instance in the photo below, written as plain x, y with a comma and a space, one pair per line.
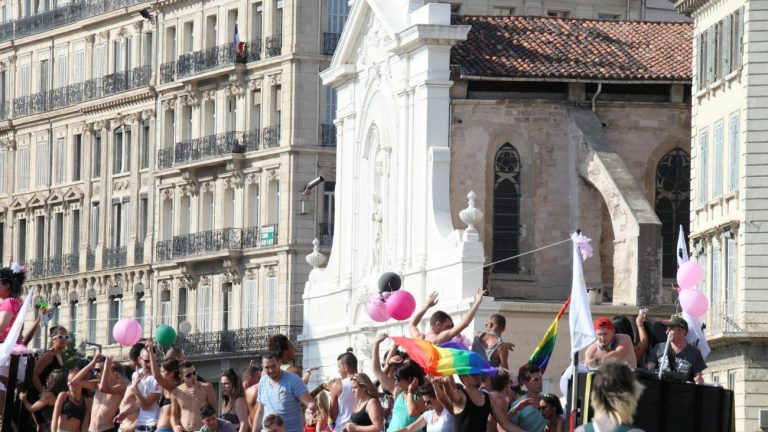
645, 10
154, 163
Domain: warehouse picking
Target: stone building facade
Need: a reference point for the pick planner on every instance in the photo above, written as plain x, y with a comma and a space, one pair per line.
650, 10
727, 193
549, 137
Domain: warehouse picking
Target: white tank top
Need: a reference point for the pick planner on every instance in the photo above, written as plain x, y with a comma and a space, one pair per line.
347, 403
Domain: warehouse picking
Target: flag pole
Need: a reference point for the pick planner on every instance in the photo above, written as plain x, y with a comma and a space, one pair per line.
574, 376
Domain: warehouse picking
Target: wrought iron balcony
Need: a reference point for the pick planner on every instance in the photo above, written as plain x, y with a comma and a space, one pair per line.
248, 340
273, 45
138, 253
163, 250
60, 16
167, 72
37, 267
253, 50
325, 233
90, 260
208, 147
252, 140
330, 41
251, 238
328, 135
271, 136
46, 267
165, 158
116, 257
206, 242
71, 263
208, 59
96, 88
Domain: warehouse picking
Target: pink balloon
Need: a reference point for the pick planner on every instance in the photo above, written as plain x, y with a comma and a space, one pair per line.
400, 305
127, 332
689, 274
694, 302
376, 308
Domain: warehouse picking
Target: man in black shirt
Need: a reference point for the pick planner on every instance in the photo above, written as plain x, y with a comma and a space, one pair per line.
680, 357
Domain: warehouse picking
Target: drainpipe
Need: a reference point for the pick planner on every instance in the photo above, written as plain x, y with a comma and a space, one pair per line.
628, 9
597, 93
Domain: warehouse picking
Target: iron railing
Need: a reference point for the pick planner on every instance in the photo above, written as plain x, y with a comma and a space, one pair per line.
90, 260
273, 45
208, 147
247, 340
46, 267
165, 158
252, 140
270, 136
138, 252
723, 319
208, 59
253, 50
71, 263
96, 88
325, 233
330, 41
60, 16
167, 72
206, 242
328, 135
116, 257
37, 267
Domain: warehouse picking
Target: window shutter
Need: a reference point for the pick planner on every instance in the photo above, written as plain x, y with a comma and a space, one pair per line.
733, 157
251, 303
61, 158
270, 304
711, 55
742, 21
61, 71
3, 173
726, 45
703, 150
719, 155
204, 308
79, 66
716, 282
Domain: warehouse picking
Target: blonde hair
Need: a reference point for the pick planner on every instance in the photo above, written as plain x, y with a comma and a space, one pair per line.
615, 391
363, 380
323, 403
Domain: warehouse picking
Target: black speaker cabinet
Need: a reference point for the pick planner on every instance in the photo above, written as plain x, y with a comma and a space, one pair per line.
668, 406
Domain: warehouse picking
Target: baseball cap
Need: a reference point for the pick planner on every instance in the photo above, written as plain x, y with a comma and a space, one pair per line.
605, 323
678, 322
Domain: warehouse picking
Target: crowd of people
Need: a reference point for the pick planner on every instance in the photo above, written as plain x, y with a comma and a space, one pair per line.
167, 395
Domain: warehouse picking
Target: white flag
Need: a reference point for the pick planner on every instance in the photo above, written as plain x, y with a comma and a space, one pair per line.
682, 248
695, 334
579, 315
13, 334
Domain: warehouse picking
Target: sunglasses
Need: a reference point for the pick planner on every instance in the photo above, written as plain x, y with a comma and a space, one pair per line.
61, 337
190, 374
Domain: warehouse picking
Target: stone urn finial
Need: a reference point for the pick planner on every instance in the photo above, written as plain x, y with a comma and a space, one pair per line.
316, 259
471, 215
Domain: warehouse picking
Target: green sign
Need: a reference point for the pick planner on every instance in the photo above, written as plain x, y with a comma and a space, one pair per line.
267, 236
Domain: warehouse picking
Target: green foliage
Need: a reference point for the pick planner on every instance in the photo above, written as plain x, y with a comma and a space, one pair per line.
71, 356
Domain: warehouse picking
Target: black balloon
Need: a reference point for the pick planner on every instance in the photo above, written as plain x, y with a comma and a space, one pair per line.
389, 282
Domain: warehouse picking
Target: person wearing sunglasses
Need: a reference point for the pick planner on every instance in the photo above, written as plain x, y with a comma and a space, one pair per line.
143, 392
436, 419
188, 398
52, 359
552, 411
108, 385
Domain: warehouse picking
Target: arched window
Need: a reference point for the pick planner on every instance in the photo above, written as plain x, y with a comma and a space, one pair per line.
673, 191
506, 209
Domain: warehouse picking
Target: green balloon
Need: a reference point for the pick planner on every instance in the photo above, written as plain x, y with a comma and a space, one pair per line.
165, 335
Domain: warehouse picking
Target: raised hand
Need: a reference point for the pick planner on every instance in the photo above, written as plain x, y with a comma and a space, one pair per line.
432, 299
480, 294
380, 338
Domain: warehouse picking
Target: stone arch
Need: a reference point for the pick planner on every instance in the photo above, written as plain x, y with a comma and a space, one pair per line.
672, 192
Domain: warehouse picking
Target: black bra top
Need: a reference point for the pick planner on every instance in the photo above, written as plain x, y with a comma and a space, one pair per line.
230, 417
71, 410
361, 418
163, 401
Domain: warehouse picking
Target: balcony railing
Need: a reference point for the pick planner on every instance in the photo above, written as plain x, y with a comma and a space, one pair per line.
247, 340
46, 267
325, 233
96, 88
270, 136
37, 267
90, 260
67, 14
165, 158
723, 318
206, 242
328, 135
273, 45
208, 147
116, 257
253, 50
167, 72
252, 140
71, 263
330, 41
208, 59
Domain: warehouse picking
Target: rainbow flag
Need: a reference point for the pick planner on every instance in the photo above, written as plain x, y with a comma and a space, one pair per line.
445, 361
543, 351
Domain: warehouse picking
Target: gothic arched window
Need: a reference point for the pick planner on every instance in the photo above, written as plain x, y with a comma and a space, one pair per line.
673, 191
506, 209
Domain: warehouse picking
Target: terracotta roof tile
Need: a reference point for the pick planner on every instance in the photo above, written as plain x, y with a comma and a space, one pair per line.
567, 48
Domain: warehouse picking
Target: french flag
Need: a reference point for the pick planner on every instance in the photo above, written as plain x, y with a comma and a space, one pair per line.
240, 45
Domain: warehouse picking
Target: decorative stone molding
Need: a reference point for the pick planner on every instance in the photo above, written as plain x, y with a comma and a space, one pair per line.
163, 284
234, 180
234, 89
209, 95
169, 104
104, 35
8, 144
255, 84
253, 272
316, 259
166, 193
252, 177
101, 125
185, 281
190, 99
137, 26
271, 271
188, 189
273, 174
121, 184
90, 39
231, 273
12, 59
275, 79
208, 186
88, 127
148, 114
205, 280
122, 32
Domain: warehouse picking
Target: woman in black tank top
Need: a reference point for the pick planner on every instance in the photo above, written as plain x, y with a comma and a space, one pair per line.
368, 416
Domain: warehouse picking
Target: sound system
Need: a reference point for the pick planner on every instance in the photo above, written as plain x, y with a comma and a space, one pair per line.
669, 405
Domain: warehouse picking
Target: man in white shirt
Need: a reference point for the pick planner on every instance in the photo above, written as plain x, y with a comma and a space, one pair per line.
343, 401
146, 392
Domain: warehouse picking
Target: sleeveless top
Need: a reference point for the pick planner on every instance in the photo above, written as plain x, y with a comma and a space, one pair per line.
163, 401
13, 306
474, 418
231, 417
489, 352
400, 417
361, 418
32, 393
72, 410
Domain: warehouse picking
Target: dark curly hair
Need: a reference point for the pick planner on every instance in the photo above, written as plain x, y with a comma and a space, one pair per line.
279, 344
13, 279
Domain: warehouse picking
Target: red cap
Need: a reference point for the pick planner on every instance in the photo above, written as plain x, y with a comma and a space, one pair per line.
605, 323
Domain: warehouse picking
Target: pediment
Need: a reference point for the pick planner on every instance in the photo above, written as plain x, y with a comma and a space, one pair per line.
73, 194
368, 22
18, 203
55, 197
38, 200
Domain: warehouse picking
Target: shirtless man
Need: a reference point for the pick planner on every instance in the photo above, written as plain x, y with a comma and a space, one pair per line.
251, 377
187, 399
109, 386
610, 346
441, 328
